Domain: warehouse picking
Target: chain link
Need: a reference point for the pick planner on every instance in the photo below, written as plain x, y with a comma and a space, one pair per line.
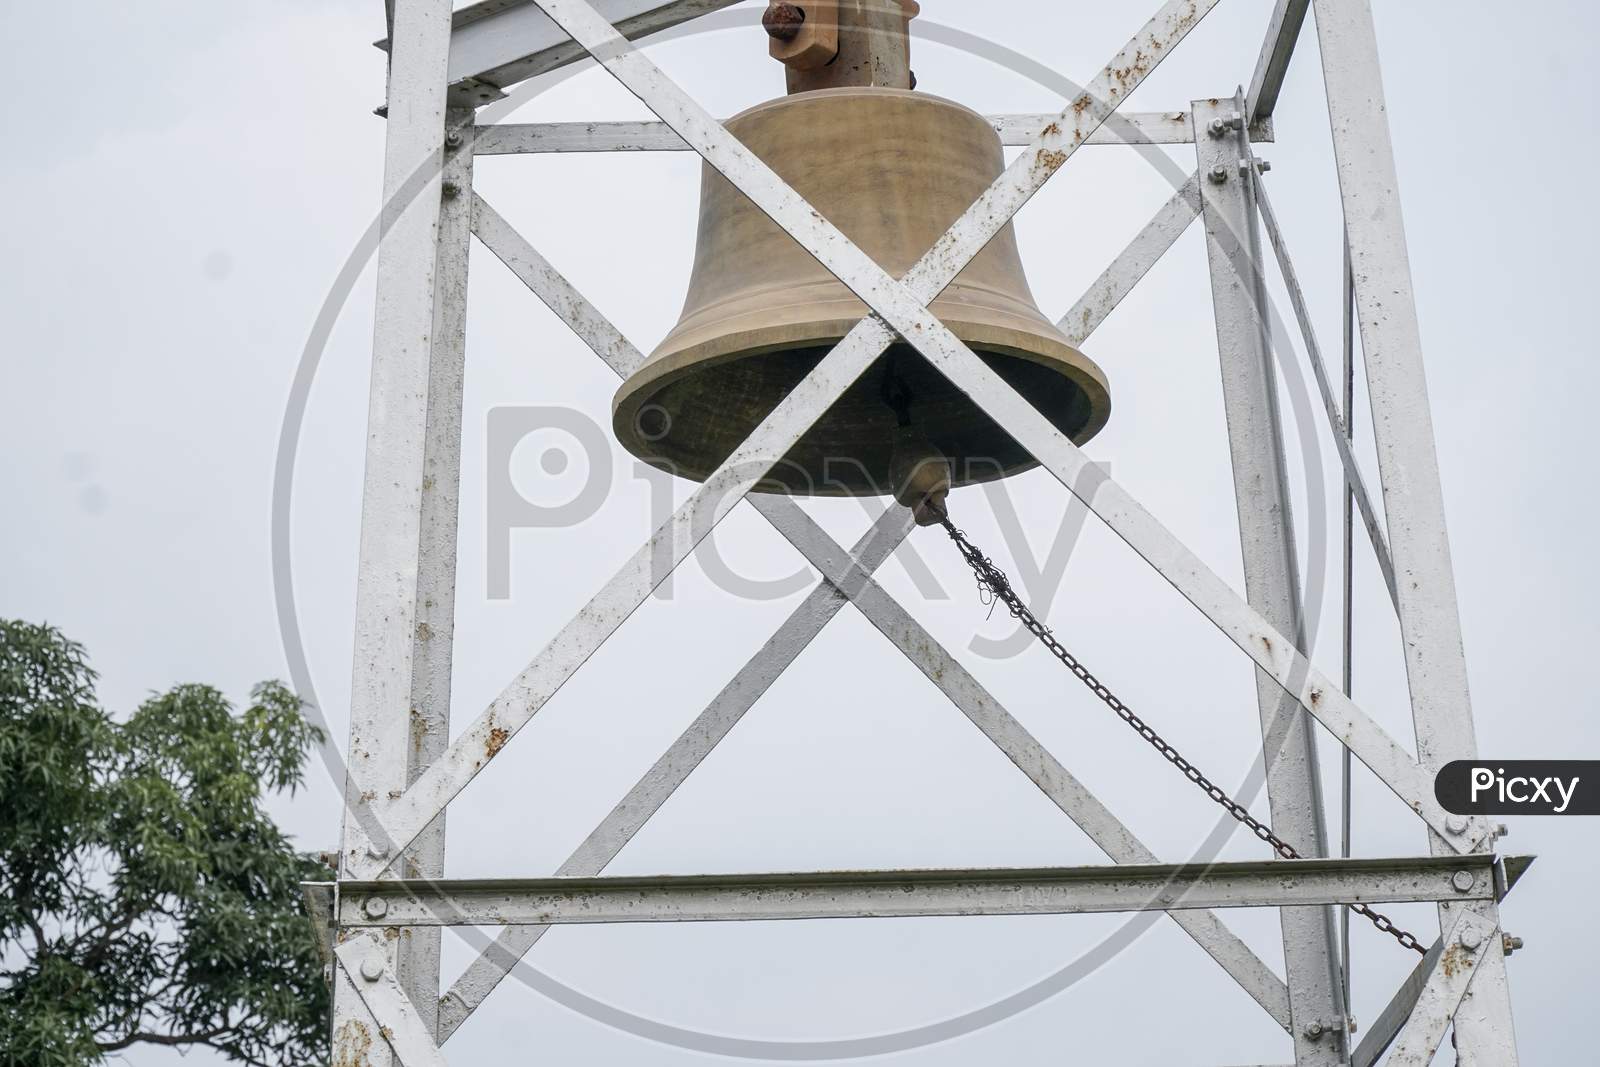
994, 586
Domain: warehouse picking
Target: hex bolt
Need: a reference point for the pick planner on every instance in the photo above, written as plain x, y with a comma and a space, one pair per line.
1263, 165
1509, 944
1218, 175
372, 967
1221, 125
1315, 1030
450, 190
1471, 939
1456, 824
782, 21
1244, 168
452, 139
378, 850
375, 907
1463, 881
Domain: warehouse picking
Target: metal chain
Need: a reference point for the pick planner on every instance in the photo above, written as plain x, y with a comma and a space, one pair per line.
993, 585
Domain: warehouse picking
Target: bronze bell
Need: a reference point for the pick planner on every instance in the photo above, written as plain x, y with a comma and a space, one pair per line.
893, 169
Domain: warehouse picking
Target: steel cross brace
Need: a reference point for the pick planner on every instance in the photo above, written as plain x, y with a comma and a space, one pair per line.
1190, 584
906, 307
404, 817
844, 578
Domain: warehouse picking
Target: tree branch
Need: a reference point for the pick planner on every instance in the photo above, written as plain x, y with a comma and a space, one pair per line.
204, 1037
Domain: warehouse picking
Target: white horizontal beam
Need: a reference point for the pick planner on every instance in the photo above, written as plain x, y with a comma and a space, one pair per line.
1016, 131
904, 894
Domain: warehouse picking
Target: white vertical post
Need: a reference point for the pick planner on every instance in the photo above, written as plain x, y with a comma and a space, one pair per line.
391, 504
1430, 622
1266, 534
429, 733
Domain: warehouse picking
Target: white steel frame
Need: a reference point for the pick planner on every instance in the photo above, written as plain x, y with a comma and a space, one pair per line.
403, 774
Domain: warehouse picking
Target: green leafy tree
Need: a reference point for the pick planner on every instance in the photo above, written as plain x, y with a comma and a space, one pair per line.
145, 896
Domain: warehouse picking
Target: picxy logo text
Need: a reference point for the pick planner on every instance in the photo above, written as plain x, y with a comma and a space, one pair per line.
1519, 787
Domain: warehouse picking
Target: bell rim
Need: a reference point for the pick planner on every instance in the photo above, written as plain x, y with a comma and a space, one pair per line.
668, 368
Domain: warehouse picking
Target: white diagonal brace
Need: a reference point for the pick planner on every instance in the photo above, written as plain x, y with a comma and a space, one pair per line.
1466, 949
897, 305
1319, 370
773, 438
1135, 261
1381, 1034
1075, 800
364, 966
883, 611
1283, 30
686, 753
1270, 649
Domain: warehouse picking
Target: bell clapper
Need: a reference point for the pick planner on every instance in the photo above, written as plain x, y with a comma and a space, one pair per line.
918, 471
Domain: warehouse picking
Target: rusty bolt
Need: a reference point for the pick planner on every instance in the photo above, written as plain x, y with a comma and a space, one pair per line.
1471, 939
1509, 944
1218, 175
450, 190
1463, 881
783, 21
375, 907
372, 967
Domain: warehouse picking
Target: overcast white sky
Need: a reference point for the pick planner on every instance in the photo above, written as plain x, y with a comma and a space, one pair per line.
185, 181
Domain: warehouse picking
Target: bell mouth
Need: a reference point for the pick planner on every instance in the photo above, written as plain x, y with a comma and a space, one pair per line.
688, 416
